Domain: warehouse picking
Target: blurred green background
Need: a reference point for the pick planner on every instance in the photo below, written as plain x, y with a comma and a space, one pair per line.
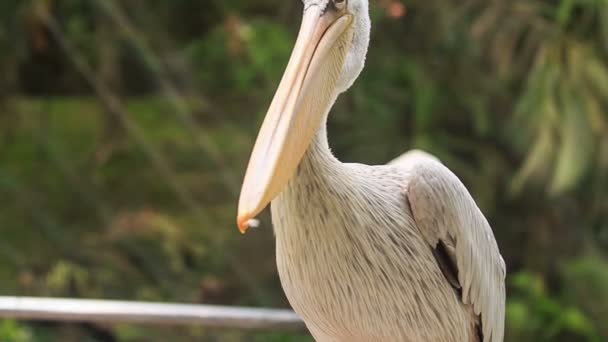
125, 128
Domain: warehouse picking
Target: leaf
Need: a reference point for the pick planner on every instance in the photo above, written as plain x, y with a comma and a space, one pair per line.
576, 148
595, 75
12, 331
537, 161
564, 11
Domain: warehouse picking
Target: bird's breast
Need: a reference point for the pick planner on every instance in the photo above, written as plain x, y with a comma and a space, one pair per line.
354, 266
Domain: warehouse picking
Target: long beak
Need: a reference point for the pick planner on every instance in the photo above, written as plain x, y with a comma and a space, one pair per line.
303, 98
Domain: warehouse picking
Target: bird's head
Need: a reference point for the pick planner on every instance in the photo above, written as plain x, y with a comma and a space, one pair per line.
328, 56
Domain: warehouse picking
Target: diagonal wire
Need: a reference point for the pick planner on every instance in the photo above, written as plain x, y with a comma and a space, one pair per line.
51, 230
183, 112
24, 198
70, 175
114, 106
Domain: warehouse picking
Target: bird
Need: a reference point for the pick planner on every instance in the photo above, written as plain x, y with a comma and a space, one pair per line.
394, 252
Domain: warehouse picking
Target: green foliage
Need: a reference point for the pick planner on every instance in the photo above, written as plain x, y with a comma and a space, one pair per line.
14, 332
567, 94
241, 55
588, 278
535, 315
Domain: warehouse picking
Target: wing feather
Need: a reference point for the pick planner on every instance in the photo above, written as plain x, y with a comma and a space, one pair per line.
446, 213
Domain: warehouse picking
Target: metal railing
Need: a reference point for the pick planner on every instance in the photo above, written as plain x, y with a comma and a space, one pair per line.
112, 311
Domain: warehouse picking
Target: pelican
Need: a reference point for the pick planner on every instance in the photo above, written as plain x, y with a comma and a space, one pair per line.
396, 252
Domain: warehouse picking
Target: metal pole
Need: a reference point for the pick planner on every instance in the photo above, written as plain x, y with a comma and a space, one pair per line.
112, 311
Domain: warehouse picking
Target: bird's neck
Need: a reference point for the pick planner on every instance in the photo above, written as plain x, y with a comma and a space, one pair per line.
318, 161
317, 180
318, 171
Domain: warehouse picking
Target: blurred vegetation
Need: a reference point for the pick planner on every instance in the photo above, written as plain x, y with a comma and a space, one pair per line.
125, 127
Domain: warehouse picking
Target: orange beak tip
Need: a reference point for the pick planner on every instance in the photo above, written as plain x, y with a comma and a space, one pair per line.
242, 224
245, 222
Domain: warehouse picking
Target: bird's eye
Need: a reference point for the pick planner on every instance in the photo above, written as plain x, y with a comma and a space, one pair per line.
340, 4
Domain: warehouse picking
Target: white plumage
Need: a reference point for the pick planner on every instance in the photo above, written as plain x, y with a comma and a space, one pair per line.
396, 252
